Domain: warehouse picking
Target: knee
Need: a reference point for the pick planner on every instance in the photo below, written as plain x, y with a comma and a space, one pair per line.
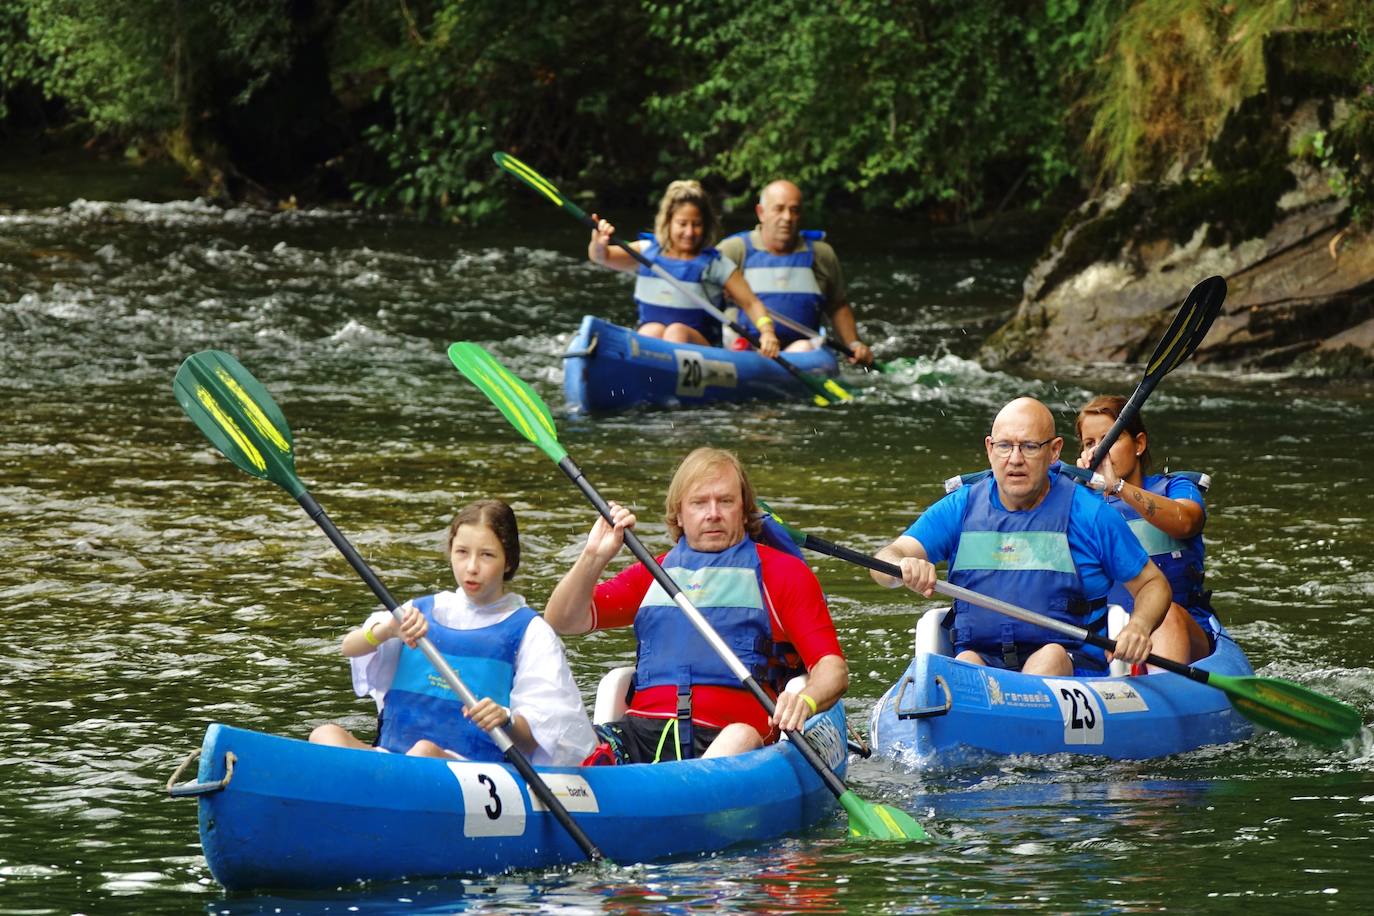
1052, 659
678, 333
968, 655
735, 738
330, 734
426, 748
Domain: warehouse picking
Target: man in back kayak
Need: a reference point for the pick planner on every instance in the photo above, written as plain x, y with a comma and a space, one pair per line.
765, 604
795, 273
1030, 536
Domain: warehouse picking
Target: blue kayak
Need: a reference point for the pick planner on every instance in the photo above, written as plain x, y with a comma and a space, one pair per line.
944, 713
295, 814
608, 367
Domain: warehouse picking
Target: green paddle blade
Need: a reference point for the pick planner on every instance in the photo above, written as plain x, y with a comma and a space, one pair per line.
238, 416
1290, 709
541, 184
880, 822
525, 410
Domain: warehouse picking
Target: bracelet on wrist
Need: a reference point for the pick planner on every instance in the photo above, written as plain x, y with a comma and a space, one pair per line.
368, 635
810, 701
1116, 490
765, 322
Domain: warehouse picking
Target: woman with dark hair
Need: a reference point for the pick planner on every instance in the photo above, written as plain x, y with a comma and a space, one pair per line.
684, 231
505, 652
1167, 513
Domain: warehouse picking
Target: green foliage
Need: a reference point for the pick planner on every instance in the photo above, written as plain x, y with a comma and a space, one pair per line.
142, 66
896, 105
1350, 148
1176, 68
460, 79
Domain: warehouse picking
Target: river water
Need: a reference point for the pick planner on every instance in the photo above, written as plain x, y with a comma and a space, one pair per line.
150, 588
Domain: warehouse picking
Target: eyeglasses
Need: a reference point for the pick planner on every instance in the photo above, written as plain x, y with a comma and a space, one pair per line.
1003, 449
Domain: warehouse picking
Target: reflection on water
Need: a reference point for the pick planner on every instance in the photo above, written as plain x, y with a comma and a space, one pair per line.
151, 588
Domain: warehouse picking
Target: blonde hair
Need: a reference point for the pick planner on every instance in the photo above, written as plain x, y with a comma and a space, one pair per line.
686, 192
697, 466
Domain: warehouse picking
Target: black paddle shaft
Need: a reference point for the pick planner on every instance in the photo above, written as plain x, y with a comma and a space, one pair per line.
1128, 413
820, 545
513, 754
570, 468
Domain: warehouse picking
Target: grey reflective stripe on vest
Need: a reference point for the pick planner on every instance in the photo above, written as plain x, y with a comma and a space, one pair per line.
1154, 541
658, 291
1041, 550
713, 586
798, 280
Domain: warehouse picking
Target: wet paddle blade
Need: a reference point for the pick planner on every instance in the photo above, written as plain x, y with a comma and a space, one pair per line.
541, 184
1290, 709
1189, 327
238, 416
880, 822
525, 410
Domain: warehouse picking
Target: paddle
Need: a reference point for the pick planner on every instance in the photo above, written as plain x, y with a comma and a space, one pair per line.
819, 387
1190, 325
527, 412
833, 343
1271, 702
239, 417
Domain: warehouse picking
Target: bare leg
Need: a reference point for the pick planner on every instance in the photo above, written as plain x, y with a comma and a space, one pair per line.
427, 748
1051, 659
650, 329
799, 346
968, 655
735, 738
681, 333
1179, 638
337, 736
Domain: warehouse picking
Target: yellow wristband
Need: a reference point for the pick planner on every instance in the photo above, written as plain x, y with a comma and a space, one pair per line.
809, 702
765, 322
367, 634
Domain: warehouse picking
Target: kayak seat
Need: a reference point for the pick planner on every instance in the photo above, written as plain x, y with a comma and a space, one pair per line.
1116, 620
933, 637
613, 694
931, 634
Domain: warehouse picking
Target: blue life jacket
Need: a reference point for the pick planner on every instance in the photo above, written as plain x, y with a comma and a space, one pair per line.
786, 284
420, 703
1181, 560
727, 587
774, 535
661, 301
1022, 558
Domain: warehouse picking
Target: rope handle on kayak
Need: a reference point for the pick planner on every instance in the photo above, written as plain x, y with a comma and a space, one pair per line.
192, 789
926, 712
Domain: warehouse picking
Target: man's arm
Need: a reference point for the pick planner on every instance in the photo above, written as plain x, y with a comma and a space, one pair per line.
827, 680
842, 320
1152, 596
918, 573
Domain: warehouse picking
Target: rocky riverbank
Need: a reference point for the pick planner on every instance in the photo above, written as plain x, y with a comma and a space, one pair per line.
1265, 209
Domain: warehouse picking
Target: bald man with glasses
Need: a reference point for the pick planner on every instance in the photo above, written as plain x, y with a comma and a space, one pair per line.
1029, 536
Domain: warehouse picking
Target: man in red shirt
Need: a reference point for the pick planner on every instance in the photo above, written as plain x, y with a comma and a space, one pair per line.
765, 603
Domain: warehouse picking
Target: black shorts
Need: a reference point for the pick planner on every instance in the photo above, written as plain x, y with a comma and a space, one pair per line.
636, 739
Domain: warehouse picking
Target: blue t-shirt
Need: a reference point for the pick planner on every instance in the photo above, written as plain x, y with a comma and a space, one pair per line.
1180, 487
1102, 545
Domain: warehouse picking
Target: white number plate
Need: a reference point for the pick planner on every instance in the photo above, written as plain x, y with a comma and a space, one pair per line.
1080, 709
492, 803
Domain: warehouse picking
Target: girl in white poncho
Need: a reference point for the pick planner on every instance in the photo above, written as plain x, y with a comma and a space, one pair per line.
504, 652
